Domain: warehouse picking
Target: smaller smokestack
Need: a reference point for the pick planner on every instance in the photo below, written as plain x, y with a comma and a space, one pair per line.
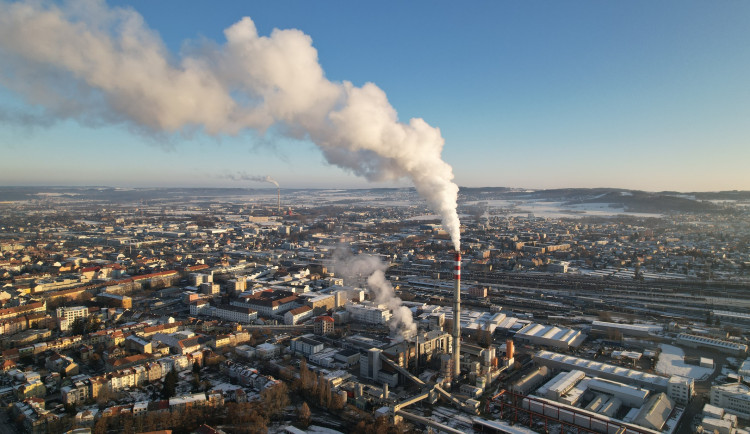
416, 350
509, 348
278, 196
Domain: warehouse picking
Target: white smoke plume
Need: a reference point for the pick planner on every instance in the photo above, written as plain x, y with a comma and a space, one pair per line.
354, 267
86, 61
245, 177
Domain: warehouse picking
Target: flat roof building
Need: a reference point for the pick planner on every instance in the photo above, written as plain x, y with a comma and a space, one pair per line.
604, 370
629, 395
550, 336
606, 328
717, 344
734, 398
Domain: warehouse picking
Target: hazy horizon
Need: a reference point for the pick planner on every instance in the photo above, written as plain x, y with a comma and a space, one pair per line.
366, 187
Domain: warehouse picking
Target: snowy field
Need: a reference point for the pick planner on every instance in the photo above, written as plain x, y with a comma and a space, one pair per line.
671, 363
549, 209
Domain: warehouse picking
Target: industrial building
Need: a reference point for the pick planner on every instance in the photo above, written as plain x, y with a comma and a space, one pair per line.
739, 318
557, 361
531, 381
369, 313
430, 344
372, 366
595, 403
471, 320
561, 384
630, 396
655, 413
744, 368
729, 347
369, 363
607, 329
604, 405
550, 336
734, 398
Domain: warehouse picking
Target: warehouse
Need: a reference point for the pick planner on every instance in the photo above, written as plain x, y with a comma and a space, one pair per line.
550, 336
557, 361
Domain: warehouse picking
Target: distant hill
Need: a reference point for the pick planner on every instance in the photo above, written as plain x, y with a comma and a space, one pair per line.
630, 200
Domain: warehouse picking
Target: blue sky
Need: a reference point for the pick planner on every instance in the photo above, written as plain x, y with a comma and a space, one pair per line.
536, 94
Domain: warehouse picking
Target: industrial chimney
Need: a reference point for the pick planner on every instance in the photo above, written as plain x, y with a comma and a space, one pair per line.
457, 316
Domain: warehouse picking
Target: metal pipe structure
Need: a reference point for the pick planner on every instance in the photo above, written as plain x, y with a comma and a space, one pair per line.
457, 316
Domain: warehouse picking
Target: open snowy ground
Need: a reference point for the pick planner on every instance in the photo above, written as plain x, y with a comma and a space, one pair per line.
671, 363
553, 209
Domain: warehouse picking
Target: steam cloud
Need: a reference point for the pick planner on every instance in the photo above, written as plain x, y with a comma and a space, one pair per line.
381, 292
100, 65
246, 177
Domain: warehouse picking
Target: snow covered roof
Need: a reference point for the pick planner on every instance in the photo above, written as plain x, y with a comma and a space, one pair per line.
621, 373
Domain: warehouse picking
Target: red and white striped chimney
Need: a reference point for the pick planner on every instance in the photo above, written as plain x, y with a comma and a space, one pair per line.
457, 316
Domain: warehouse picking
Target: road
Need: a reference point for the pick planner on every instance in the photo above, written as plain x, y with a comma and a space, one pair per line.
5, 425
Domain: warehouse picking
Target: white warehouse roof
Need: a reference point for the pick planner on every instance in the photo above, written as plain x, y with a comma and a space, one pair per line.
628, 376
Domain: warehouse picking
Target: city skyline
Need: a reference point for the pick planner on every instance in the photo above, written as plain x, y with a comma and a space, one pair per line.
537, 95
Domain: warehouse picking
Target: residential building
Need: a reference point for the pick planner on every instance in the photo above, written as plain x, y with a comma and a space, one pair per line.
305, 345
67, 315
680, 389
297, 315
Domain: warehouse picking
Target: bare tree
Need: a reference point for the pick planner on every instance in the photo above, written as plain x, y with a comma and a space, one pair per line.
303, 415
275, 398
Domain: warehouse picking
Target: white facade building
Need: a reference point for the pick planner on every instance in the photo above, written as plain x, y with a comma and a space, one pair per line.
66, 315
369, 313
734, 398
297, 315
306, 345
224, 311
680, 389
